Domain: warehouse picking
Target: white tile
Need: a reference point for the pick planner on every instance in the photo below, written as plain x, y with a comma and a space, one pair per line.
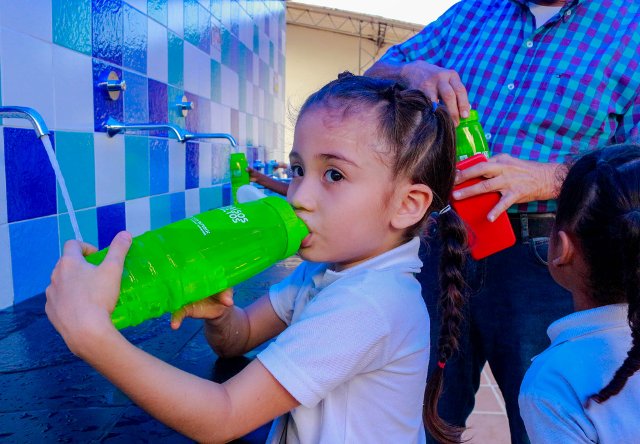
177, 166
6, 279
27, 75
221, 118
229, 80
264, 49
176, 16
140, 5
204, 167
249, 96
138, 216
261, 103
197, 72
31, 17
3, 184
256, 69
192, 202
73, 90
157, 52
242, 129
110, 168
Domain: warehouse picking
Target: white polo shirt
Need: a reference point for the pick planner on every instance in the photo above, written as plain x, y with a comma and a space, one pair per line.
355, 352
587, 347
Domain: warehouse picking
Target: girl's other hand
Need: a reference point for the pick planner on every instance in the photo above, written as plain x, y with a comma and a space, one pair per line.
209, 308
81, 296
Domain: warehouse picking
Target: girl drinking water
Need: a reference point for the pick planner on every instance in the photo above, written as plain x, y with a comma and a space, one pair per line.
370, 160
584, 387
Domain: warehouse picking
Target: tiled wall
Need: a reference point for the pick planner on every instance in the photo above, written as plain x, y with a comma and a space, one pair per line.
226, 56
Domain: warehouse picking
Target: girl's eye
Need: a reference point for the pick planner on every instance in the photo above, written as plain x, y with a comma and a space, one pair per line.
333, 176
297, 171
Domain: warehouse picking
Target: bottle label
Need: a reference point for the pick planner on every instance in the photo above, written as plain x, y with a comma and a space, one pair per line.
235, 214
203, 228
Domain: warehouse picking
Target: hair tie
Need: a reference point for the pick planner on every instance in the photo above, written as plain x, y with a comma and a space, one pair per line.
444, 210
441, 364
434, 106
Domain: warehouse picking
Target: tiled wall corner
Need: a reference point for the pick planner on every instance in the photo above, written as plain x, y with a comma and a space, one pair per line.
224, 56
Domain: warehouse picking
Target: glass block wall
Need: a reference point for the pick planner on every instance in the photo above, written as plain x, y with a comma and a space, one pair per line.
224, 56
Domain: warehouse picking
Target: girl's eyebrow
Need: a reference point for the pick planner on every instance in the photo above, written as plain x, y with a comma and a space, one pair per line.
325, 157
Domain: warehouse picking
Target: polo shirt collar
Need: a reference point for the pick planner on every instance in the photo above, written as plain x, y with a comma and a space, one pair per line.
586, 322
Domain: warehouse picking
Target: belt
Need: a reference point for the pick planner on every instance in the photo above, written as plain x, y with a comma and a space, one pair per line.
531, 225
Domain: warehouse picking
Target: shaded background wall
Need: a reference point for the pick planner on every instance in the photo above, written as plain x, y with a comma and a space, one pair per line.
225, 56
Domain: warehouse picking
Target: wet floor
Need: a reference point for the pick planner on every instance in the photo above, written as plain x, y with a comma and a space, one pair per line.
47, 395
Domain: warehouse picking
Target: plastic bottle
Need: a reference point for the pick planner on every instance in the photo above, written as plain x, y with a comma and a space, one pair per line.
194, 258
470, 138
239, 175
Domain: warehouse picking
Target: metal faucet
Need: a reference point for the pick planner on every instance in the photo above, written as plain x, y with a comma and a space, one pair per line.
229, 137
22, 112
114, 127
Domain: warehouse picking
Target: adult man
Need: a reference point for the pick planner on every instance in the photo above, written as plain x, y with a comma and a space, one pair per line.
550, 79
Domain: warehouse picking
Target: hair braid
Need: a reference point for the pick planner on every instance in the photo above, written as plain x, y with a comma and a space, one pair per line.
452, 301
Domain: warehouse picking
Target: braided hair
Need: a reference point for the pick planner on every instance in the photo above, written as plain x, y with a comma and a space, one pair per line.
420, 137
600, 204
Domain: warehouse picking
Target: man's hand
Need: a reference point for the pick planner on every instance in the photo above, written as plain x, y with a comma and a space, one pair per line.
518, 181
438, 84
81, 296
209, 308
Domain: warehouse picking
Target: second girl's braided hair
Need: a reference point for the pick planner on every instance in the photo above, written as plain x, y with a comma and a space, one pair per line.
420, 137
599, 203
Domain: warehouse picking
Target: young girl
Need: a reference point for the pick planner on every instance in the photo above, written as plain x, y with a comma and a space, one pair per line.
369, 160
584, 387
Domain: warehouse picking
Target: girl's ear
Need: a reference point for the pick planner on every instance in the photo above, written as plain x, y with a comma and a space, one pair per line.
564, 250
416, 199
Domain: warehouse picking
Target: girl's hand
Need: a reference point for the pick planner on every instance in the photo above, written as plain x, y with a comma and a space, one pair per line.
81, 296
209, 308
518, 181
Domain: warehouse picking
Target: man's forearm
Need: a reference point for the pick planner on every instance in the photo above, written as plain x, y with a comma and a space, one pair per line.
387, 70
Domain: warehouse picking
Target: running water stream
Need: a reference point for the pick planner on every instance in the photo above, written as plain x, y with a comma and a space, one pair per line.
63, 187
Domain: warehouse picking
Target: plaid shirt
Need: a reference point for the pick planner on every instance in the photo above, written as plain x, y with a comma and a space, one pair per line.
543, 94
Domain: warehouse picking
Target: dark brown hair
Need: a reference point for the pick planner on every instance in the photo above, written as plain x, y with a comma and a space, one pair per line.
599, 204
421, 140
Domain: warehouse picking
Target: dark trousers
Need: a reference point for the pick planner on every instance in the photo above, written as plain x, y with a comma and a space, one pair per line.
512, 301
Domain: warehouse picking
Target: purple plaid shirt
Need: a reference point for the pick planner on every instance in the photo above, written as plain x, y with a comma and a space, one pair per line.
543, 94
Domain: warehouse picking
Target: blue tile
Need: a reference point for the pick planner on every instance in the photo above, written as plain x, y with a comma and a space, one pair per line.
136, 166
159, 166
158, 10
191, 9
136, 101
76, 156
192, 121
30, 180
177, 207
160, 209
192, 168
111, 220
108, 26
174, 95
158, 105
176, 60
103, 106
226, 194
135, 40
72, 24
216, 82
87, 222
210, 198
34, 253
204, 30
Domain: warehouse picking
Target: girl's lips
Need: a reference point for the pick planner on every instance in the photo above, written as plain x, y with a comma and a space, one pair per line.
306, 241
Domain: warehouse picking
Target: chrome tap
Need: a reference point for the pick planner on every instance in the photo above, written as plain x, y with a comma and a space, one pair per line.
114, 127
229, 137
22, 112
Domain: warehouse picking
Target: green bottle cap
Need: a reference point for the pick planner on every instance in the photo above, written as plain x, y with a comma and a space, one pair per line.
473, 115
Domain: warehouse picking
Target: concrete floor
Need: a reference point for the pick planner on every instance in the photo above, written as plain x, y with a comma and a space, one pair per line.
47, 395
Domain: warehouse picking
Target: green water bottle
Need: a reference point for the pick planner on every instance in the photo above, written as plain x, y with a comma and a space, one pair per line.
470, 139
194, 258
239, 175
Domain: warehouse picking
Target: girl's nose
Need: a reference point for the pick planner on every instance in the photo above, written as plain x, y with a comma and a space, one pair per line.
300, 194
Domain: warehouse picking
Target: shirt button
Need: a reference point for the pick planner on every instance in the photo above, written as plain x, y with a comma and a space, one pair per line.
529, 44
510, 86
487, 136
568, 13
